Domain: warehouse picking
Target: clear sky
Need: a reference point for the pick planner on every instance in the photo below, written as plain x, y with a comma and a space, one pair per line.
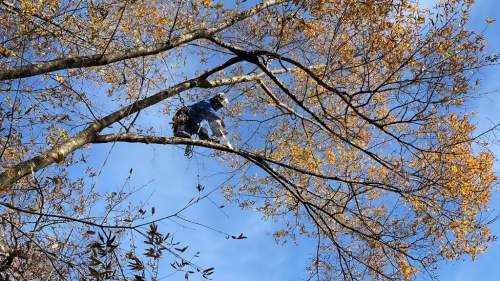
258, 257
487, 265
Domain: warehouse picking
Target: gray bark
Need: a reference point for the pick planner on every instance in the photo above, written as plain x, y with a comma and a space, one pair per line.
91, 133
115, 56
136, 138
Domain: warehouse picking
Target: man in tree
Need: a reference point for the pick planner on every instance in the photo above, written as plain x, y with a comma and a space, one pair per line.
361, 133
187, 120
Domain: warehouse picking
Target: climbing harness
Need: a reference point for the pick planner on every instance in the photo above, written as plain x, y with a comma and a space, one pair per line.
181, 118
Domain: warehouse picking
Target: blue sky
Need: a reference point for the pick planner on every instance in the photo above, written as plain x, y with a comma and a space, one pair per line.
258, 257
486, 267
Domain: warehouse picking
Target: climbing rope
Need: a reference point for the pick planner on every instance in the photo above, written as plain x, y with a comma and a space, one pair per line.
188, 152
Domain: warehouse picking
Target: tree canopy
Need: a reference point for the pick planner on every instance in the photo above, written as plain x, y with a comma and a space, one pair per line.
354, 113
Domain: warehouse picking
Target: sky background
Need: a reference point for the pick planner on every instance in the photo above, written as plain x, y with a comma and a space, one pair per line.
174, 180
487, 265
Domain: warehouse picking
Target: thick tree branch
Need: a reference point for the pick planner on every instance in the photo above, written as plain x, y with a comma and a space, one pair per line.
140, 51
136, 138
45, 159
309, 70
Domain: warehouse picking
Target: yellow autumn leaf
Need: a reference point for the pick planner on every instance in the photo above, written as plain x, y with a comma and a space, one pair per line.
4, 52
206, 3
353, 127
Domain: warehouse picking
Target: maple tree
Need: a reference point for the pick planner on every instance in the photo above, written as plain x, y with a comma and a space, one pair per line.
353, 112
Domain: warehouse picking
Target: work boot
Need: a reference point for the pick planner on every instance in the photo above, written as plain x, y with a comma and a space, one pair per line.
180, 133
204, 136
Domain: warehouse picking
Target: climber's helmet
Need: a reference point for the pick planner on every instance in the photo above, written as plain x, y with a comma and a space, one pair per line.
221, 98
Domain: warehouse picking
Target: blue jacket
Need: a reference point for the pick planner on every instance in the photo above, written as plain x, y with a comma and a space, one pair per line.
201, 111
